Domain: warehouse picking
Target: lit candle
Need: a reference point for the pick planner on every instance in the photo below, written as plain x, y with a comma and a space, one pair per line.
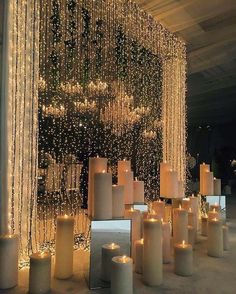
166, 236
64, 247
183, 257
152, 252
139, 256
108, 252
159, 208
96, 165
204, 222
122, 275
217, 187
123, 165
208, 184
215, 206
8, 261
180, 225
186, 203
126, 179
40, 273
203, 168
171, 189
164, 167
225, 229
138, 191
215, 238
102, 196
118, 205
213, 214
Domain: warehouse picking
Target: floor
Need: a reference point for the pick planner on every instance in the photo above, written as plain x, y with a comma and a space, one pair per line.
211, 275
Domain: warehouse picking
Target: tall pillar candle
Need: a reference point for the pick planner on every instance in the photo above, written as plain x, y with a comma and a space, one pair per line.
166, 248
180, 189
96, 165
171, 189
191, 235
8, 261
123, 165
40, 273
102, 196
139, 256
138, 191
180, 225
204, 222
159, 208
215, 238
217, 187
203, 168
194, 207
126, 179
168, 213
108, 252
208, 184
225, 229
213, 214
164, 167
64, 247
122, 275
118, 201
152, 252
183, 258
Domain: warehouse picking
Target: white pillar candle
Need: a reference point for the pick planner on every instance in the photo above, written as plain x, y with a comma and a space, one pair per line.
102, 196
191, 217
122, 275
191, 235
8, 261
126, 179
217, 187
186, 203
123, 165
171, 190
180, 189
166, 248
164, 167
213, 214
194, 207
180, 225
215, 206
203, 168
183, 255
40, 273
64, 247
225, 237
135, 216
144, 215
108, 252
152, 252
139, 256
152, 214
159, 208
176, 202
208, 184
96, 165
215, 238
204, 222
138, 191
168, 213
118, 201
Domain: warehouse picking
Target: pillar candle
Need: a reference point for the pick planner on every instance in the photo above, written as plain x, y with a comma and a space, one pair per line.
126, 179
152, 252
215, 238
186, 203
176, 202
152, 214
102, 196
191, 217
144, 215
108, 252
215, 206
183, 258
123, 165
191, 235
8, 261
159, 208
122, 275
64, 247
208, 184
168, 213
164, 167
96, 165
139, 256
194, 207
135, 216
138, 191
166, 235
180, 225
171, 189
180, 189
217, 187
213, 214
118, 204
225, 237
204, 222
40, 273
203, 168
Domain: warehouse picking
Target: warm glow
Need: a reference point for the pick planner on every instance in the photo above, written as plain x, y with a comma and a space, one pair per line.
186, 199
136, 178
126, 170
97, 156
103, 171
190, 209
112, 245
215, 219
124, 159
132, 209
141, 241
152, 219
216, 204
65, 216
214, 210
180, 207
183, 242
124, 258
162, 220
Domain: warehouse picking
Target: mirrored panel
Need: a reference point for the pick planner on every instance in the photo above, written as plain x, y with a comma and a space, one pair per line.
141, 207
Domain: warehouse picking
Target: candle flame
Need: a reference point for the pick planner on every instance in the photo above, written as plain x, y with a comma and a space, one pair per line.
136, 178
126, 170
216, 204
131, 209
104, 171
190, 209
142, 241
162, 220
124, 258
183, 242
152, 219
180, 206
124, 159
214, 210
65, 215
215, 219
97, 156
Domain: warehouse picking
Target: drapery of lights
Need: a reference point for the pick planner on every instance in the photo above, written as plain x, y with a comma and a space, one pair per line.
23, 124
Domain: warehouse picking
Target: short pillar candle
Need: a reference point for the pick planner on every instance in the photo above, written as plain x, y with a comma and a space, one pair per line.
171, 189
123, 165
118, 204
64, 247
139, 256
225, 229
40, 273
213, 214
204, 222
186, 203
215, 238
108, 252
122, 275
183, 259
166, 247
191, 235
164, 168
126, 179
8, 261
159, 208
215, 206
180, 225
152, 252
138, 191
217, 187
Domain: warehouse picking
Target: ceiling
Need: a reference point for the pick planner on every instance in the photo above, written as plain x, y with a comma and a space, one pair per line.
209, 29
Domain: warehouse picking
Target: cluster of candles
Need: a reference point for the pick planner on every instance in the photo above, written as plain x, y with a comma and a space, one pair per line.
208, 184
